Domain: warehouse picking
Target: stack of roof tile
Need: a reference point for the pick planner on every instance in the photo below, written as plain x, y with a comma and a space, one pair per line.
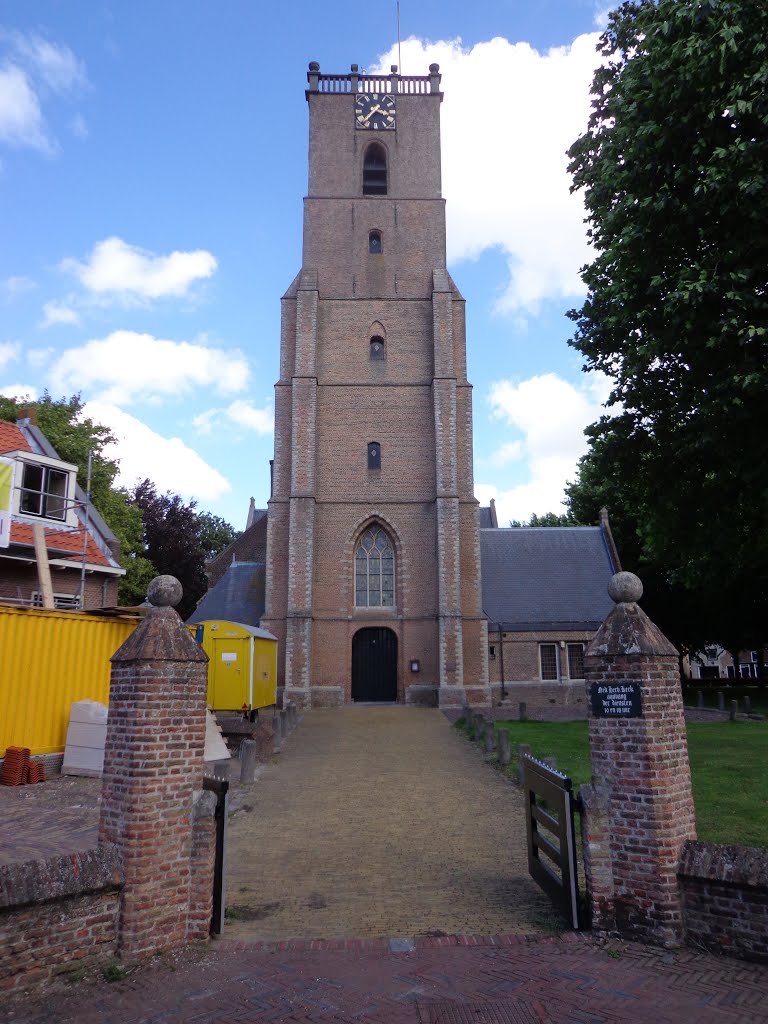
36, 772
15, 766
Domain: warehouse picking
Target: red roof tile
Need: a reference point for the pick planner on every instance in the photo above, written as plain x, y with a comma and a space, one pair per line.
12, 439
60, 541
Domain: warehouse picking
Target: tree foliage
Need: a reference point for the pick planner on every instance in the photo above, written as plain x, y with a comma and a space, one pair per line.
674, 171
549, 519
173, 540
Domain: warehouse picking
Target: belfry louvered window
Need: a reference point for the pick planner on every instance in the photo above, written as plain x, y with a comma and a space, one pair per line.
374, 570
375, 171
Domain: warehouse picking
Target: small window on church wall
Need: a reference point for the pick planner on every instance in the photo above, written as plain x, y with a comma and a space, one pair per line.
377, 347
374, 570
374, 242
375, 171
374, 455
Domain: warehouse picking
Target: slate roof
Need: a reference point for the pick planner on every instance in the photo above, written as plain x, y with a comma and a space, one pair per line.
237, 597
545, 578
250, 546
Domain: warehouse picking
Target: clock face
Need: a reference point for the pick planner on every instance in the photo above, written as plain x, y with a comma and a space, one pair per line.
375, 111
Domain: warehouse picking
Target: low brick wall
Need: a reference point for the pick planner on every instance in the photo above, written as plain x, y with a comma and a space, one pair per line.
725, 898
57, 915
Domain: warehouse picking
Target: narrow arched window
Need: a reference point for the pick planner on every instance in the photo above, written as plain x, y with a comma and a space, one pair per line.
374, 455
374, 242
377, 348
375, 171
374, 570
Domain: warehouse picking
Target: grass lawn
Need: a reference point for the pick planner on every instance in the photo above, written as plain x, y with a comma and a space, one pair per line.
728, 770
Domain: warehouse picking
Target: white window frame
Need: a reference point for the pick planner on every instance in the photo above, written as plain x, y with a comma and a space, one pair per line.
23, 459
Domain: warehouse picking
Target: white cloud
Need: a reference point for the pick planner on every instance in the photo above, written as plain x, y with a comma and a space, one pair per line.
118, 271
17, 285
21, 119
127, 367
513, 113
38, 357
551, 414
55, 65
9, 353
33, 67
57, 313
242, 413
512, 451
26, 391
167, 461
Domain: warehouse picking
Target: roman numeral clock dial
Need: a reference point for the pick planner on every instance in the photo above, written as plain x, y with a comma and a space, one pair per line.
374, 111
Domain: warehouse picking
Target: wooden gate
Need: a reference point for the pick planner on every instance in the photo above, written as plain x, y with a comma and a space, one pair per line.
374, 665
549, 806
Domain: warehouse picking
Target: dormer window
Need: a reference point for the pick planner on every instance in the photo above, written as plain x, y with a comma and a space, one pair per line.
43, 492
375, 171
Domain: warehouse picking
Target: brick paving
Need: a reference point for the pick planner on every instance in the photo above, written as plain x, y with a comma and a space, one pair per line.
380, 821
49, 819
547, 981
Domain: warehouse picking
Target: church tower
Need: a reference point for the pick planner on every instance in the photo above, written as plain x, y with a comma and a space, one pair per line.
373, 557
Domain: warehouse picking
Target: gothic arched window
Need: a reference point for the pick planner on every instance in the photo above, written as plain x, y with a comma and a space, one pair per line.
374, 242
375, 171
374, 570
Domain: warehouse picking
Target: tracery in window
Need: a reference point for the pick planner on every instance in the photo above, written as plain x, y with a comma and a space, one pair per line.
375, 171
374, 570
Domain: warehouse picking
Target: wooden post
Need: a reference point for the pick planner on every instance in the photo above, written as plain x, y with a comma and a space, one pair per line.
43, 566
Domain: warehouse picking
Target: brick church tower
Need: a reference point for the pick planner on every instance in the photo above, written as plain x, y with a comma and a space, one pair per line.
373, 557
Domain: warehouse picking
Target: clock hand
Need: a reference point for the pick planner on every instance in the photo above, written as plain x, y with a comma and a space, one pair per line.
372, 111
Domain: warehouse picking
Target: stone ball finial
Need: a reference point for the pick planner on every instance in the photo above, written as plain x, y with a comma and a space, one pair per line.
434, 68
393, 68
164, 592
625, 588
314, 66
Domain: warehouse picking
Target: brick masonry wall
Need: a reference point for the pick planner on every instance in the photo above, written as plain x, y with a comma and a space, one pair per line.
20, 581
153, 767
333, 400
725, 899
57, 915
639, 811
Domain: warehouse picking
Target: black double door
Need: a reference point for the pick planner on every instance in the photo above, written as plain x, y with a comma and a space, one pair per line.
374, 664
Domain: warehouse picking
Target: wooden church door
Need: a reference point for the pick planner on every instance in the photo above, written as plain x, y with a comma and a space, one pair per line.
374, 665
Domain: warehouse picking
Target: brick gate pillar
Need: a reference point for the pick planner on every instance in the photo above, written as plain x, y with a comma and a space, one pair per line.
153, 777
639, 808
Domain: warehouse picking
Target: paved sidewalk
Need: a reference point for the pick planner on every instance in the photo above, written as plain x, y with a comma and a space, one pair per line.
380, 821
552, 981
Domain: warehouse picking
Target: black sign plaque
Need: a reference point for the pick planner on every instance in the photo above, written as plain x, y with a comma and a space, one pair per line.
616, 700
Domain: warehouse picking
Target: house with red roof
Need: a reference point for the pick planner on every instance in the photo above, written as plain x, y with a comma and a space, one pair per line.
82, 552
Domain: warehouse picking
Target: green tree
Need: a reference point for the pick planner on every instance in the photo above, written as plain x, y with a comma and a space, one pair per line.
674, 171
74, 436
548, 519
173, 542
215, 533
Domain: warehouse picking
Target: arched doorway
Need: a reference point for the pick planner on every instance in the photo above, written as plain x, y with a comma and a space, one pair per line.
374, 664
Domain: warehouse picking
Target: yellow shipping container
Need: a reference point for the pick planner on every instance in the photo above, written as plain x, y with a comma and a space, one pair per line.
48, 659
242, 666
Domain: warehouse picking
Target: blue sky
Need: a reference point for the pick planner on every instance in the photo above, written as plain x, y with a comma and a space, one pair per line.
153, 160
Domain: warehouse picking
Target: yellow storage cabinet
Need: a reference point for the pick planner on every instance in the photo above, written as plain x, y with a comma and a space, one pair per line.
242, 666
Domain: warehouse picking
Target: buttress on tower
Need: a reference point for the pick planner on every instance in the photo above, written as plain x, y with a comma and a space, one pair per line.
373, 556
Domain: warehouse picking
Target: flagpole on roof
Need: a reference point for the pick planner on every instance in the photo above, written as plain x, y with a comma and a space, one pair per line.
399, 59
